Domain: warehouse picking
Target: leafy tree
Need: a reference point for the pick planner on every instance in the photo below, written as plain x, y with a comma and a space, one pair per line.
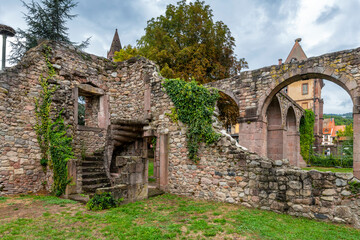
347, 139
46, 21
126, 53
186, 43
307, 134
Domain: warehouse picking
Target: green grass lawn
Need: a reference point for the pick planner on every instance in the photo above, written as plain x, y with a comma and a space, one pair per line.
325, 169
163, 217
151, 168
151, 171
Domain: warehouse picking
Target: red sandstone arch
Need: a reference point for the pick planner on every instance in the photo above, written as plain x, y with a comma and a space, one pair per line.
344, 80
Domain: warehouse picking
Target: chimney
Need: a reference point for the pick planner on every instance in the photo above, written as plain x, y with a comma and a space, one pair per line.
298, 40
280, 61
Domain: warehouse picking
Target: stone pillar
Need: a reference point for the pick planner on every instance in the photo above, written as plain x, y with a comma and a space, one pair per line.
164, 161
356, 147
75, 96
71, 187
103, 114
3, 52
252, 135
275, 143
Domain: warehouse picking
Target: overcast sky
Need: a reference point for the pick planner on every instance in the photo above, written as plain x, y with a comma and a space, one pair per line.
264, 30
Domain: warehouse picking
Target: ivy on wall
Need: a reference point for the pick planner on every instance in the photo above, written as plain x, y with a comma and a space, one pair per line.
194, 105
55, 144
60, 152
43, 109
307, 134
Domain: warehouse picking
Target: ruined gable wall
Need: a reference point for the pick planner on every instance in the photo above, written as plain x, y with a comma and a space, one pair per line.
122, 83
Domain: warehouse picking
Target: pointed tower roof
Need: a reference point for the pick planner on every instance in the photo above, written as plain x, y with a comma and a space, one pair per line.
115, 46
296, 52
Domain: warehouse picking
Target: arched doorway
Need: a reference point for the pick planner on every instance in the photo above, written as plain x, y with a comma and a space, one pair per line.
292, 141
228, 113
275, 131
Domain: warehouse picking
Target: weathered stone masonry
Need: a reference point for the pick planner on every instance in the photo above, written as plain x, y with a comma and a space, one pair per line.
132, 103
119, 89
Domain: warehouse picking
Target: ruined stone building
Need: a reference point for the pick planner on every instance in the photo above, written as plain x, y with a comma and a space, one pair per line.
126, 107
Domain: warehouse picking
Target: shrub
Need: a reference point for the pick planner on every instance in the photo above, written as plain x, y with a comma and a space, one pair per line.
331, 161
102, 201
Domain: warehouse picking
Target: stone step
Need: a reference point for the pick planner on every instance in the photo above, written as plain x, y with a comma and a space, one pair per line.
92, 164
92, 188
94, 158
88, 175
79, 198
100, 153
153, 192
92, 181
89, 169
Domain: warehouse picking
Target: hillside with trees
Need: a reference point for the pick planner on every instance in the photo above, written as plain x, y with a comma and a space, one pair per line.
340, 119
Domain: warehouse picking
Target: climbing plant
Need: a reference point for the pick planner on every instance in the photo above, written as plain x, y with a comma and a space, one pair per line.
55, 144
307, 134
194, 106
43, 109
60, 152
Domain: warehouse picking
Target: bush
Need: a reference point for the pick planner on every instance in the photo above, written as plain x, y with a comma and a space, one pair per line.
101, 201
331, 161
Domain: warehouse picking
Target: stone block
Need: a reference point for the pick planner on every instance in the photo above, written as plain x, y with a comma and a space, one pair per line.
340, 182
121, 161
140, 167
295, 185
329, 192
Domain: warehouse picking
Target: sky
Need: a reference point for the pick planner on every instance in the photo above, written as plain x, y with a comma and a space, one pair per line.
264, 30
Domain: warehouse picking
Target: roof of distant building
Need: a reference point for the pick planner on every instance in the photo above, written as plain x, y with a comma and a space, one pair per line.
296, 52
115, 46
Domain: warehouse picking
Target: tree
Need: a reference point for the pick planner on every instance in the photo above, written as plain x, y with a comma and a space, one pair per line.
46, 21
346, 138
307, 134
126, 53
186, 43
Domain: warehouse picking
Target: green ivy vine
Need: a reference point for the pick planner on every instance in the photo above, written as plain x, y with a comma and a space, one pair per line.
55, 144
194, 105
307, 134
61, 152
43, 109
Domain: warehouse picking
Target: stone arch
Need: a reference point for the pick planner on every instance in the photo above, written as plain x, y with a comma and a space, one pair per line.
228, 107
344, 80
292, 142
275, 130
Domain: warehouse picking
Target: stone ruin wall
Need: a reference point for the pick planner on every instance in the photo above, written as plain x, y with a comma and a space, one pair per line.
122, 83
229, 173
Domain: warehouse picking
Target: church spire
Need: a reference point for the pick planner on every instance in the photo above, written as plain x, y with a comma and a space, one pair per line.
115, 46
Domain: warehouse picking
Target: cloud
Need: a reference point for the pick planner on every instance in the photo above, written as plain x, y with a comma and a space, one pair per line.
328, 14
264, 30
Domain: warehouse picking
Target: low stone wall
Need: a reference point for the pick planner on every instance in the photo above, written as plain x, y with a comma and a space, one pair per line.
228, 173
